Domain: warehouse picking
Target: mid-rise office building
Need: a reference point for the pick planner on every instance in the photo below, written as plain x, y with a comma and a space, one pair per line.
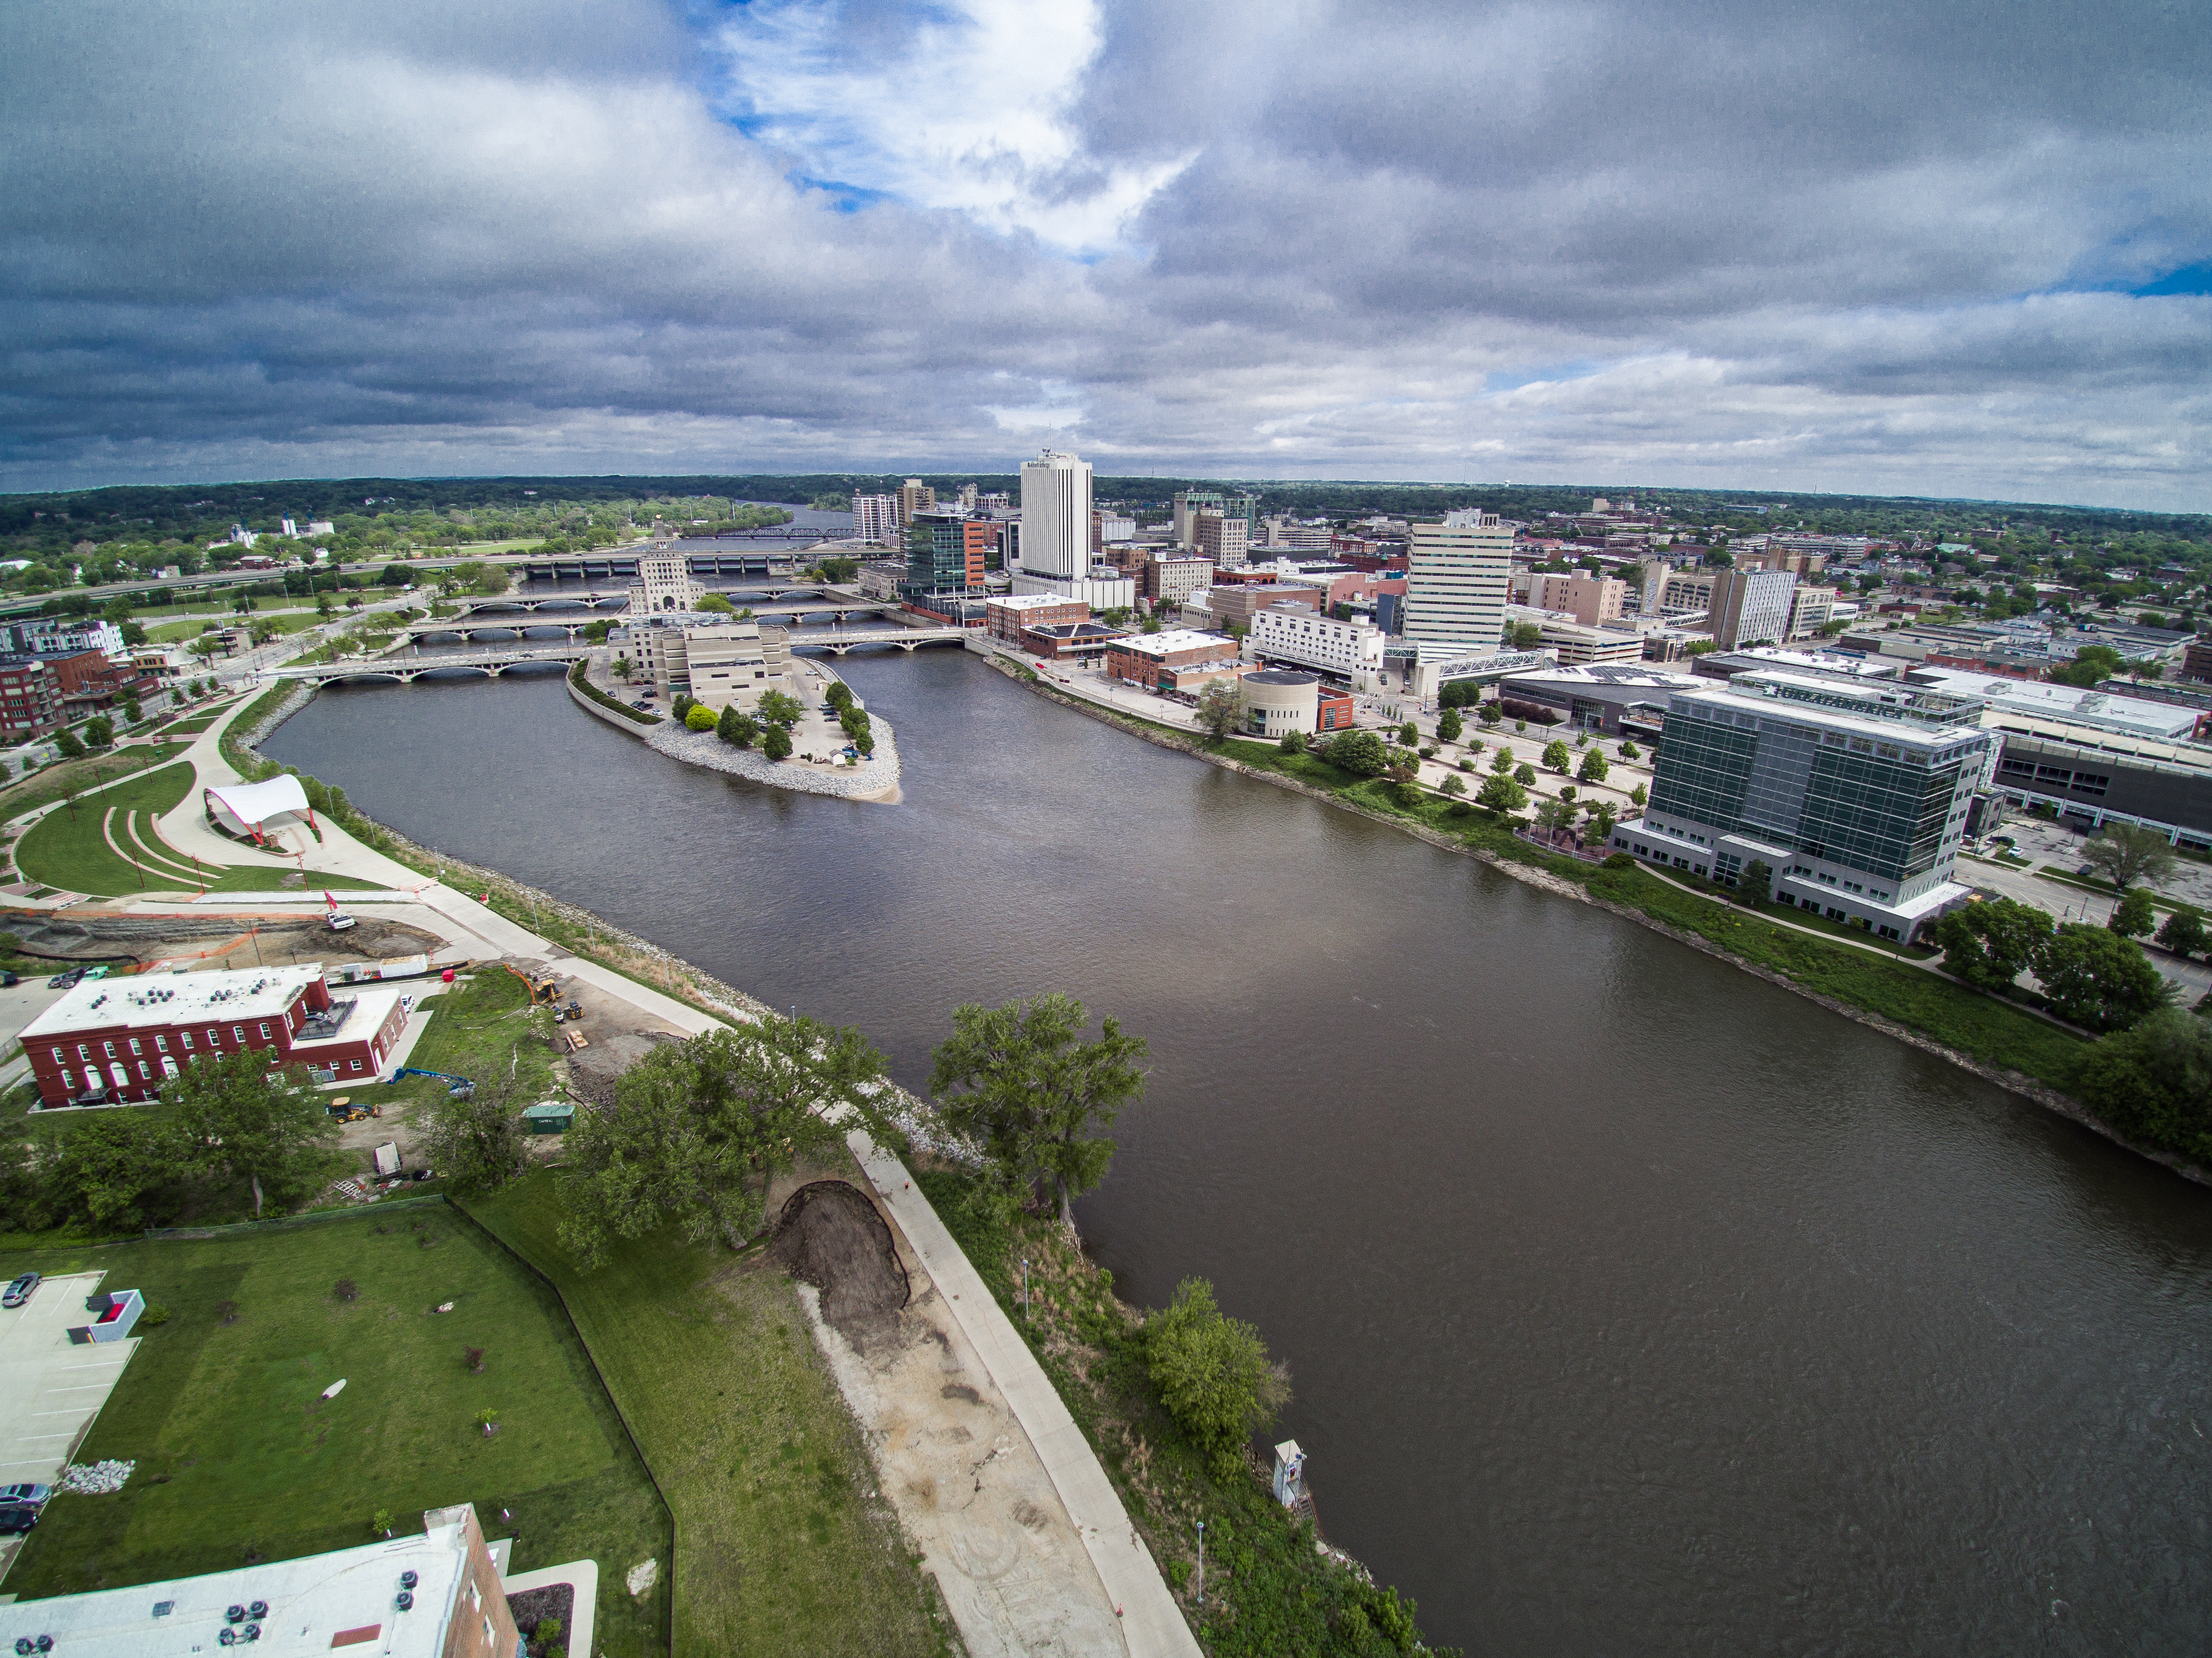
946, 552
30, 699
1751, 607
664, 586
1170, 580
1055, 540
1456, 582
914, 496
1810, 610
876, 519
1006, 616
1189, 504
1855, 799
1175, 658
1349, 653
717, 664
1224, 539
1592, 600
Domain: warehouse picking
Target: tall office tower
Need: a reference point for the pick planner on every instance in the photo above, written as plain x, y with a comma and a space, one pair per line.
1456, 581
914, 496
876, 519
1189, 503
1751, 607
1224, 539
1056, 516
967, 497
945, 555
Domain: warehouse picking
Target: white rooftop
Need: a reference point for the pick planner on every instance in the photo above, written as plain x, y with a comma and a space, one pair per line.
1177, 639
2134, 716
175, 998
1029, 601
312, 1602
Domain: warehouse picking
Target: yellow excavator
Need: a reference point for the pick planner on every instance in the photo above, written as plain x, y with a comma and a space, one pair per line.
542, 992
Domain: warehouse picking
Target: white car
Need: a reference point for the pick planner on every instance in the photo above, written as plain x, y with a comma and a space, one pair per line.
338, 923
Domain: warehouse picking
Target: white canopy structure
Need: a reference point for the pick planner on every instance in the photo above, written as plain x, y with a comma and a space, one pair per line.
259, 810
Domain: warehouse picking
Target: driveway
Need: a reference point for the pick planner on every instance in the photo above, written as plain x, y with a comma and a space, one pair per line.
52, 1387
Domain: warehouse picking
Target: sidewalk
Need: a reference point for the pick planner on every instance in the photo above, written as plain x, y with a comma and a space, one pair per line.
1152, 1623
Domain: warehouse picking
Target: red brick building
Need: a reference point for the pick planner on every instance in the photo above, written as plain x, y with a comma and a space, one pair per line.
121, 1039
1144, 657
1007, 617
1334, 711
30, 699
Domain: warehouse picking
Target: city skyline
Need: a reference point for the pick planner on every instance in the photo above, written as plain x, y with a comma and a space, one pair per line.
1895, 252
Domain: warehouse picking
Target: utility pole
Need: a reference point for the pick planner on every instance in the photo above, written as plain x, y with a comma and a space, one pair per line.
1199, 1598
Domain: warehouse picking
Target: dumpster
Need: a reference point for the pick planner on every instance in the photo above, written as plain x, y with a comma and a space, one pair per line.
551, 1117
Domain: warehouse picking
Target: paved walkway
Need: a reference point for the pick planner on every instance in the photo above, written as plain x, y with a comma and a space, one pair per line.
1151, 1621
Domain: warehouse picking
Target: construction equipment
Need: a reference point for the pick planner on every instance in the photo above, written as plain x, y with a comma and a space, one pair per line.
347, 1109
574, 1010
542, 992
459, 1087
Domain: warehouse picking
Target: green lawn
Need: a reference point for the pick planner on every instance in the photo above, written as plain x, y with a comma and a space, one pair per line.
197, 724
779, 1549
68, 849
68, 777
239, 1457
477, 1030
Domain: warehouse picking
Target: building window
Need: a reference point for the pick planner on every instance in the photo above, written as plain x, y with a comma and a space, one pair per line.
67, 1086
134, 1049
237, 1034
353, 1065
161, 1044
186, 1037
109, 1048
265, 1030
145, 1073
83, 1052
214, 1037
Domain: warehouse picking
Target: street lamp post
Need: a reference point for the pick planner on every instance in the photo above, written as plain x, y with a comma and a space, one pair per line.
1198, 1598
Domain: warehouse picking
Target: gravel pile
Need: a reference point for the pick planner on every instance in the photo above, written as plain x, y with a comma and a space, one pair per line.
94, 1479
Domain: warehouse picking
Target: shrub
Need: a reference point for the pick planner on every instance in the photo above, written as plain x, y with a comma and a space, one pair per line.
1358, 752
153, 1315
700, 718
1467, 762
1453, 785
1212, 1374
1619, 860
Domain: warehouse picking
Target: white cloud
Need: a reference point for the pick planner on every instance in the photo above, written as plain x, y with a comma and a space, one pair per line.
969, 109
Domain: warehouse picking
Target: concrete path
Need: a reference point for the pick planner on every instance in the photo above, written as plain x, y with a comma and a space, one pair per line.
1152, 1623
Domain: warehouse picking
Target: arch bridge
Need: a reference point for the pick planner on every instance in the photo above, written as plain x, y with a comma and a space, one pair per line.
408, 669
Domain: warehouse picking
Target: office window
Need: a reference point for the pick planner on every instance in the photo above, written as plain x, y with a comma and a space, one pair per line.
109, 1048
237, 1034
265, 1030
161, 1044
134, 1049
214, 1037
69, 1085
186, 1037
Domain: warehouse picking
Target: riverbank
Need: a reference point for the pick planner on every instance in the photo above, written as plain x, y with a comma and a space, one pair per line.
1925, 1009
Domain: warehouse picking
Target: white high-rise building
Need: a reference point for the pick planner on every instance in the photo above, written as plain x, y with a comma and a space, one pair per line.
1056, 516
1456, 581
876, 519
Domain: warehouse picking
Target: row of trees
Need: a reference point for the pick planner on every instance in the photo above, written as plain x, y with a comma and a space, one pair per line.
2091, 975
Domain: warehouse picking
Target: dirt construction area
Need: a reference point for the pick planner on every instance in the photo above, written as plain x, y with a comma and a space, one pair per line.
967, 1483
214, 940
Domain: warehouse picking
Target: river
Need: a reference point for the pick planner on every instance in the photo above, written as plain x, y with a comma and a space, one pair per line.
1631, 1303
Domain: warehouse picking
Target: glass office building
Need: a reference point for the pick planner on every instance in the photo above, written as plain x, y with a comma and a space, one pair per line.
1854, 798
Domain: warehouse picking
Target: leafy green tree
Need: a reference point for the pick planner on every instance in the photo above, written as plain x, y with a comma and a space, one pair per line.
1490, 713
2092, 665
775, 743
106, 1169
739, 729
2094, 977
1551, 816
715, 604
1630, 751
699, 1130
133, 713
1556, 756
1603, 816
1990, 944
1453, 785
2184, 932
1213, 1374
839, 696
700, 718
476, 1143
1360, 752
1594, 767
1523, 635
99, 731
1502, 794
1023, 1084
1449, 726
1218, 707
1525, 776
1294, 741
624, 668
1639, 794
2125, 854
1502, 762
780, 708
1409, 735
240, 1120
1756, 884
2134, 915
2154, 1082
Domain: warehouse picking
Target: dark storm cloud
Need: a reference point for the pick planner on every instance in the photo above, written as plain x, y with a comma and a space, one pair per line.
1843, 247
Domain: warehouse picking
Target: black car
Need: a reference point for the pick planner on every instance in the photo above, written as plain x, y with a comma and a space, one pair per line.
65, 981
8, 980
17, 1516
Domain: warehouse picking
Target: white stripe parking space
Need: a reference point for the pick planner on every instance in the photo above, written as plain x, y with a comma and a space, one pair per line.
53, 1380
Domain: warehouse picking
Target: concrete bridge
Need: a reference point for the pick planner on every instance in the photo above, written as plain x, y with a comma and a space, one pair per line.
409, 669
907, 638
623, 561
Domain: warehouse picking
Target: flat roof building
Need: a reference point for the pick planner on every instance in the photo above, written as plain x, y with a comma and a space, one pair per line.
1456, 582
1856, 804
1350, 652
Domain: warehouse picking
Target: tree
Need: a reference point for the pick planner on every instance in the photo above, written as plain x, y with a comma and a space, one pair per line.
1409, 735
1756, 884
2184, 932
2134, 915
240, 1120
133, 713
104, 1169
1525, 776
476, 1142
243, 605
1403, 772
1556, 756
70, 745
624, 668
1594, 767
1219, 706
1449, 726
2125, 854
839, 696
700, 718
2154, 1082
699, 1130
1602, 818
1212, 1374
2094, 977
1630, 751
1360, 752
1490, 713
1551, 816
739, 729
1523, 635
1453, 785
1502, 794
1020, 1081
1294, 741
1639, 795
775, 743
716, 604
780, 708
2092, 665
99, 731
1502, 762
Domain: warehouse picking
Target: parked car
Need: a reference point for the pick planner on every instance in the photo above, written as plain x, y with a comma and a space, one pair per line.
65, 980
36, 1495
17, 1516
8, 980
20, 1290
338, 923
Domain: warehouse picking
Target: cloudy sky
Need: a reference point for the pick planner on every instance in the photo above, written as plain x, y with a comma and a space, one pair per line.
1908, 245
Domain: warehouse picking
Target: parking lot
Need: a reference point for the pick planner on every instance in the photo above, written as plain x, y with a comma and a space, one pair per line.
51, 1387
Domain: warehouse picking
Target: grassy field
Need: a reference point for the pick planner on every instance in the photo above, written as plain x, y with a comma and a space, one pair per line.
477, 1030
240, 1458
68, 777
778, 1549
195, 724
